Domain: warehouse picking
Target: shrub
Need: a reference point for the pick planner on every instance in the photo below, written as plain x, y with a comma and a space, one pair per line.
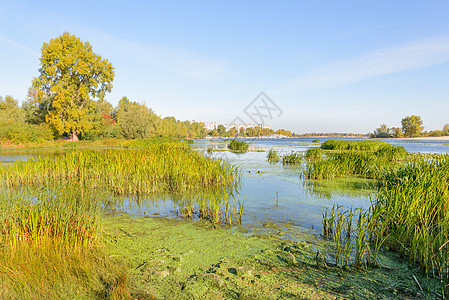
238, 146
18, 133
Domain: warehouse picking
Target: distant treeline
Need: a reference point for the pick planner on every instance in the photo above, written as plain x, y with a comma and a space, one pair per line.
412, 126
129, 120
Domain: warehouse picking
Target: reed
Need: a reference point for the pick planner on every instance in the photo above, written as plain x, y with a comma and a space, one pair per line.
409, 215
314, 153
273, 156
238, 146
155, 168
354, 145
215, 205
51, 247
364, 163
354, 245
65, 217
292, 159
144, 169
414, 204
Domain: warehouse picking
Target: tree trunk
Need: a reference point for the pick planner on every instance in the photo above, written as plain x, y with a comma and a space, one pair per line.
74, 137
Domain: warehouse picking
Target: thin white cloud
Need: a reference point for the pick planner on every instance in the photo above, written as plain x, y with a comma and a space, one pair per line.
10, 43
415, 55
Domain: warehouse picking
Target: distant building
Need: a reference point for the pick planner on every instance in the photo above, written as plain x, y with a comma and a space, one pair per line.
211, 126
262, 126
238, 126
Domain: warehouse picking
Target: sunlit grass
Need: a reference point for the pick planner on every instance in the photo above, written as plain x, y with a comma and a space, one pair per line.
410, 215
51, 246
155, 168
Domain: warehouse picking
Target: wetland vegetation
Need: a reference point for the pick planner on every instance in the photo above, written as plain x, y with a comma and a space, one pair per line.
59, 211
66, 231
238, 146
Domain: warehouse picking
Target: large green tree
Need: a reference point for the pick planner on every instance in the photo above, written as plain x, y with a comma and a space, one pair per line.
412, 126
72, 75
137, 121
10, 110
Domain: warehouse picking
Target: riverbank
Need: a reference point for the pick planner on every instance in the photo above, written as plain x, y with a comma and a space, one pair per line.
425, 138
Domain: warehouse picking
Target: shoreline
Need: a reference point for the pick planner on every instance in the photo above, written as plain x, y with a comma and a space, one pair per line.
422, 138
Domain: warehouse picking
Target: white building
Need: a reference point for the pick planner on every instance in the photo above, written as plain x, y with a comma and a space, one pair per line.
211, 126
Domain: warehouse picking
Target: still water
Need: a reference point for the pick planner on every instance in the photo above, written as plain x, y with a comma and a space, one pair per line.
273, 193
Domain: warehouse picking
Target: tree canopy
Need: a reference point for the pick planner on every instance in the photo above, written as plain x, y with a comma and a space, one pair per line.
382, 132
412, 126
71, 74
10, 110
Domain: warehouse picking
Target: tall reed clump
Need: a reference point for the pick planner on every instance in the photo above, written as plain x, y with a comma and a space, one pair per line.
354, 145
314, 153
357, 240
292, 159
414, 203
238, 146
156, 168
50, 247
215, 205
273, 156
364, 163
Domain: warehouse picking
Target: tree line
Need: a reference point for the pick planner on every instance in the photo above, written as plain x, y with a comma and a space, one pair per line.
33, 122
67, 100
412, 126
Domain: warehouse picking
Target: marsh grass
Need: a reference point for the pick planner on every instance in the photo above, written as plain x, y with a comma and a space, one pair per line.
195, 182
238, 146
358, 244
409, 215
273, 156
51, 247
364, 163
50, 226
216, 205
314, 153
414, 203
354, 145
293, 158
155, 168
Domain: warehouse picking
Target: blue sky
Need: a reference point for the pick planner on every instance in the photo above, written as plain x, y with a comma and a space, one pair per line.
330, 66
